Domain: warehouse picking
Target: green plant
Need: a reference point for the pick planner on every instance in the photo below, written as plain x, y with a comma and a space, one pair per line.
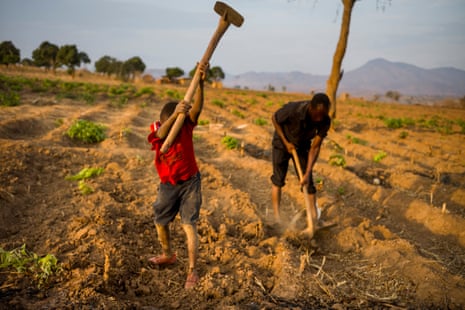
144, 91
230, 142
85, 173
85, 188
379, 156
218, 103
260, 121
24, 261
174, 94
403, 134
119, 102
393, 123
58, 122
461, 123
204, 122
9, 99
86, 131
238, 113
88, 97
356, 140
337, 160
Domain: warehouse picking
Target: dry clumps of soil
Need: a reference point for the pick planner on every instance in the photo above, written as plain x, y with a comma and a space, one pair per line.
399, 242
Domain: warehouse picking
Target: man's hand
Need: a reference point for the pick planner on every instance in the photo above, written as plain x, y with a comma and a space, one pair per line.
305, 178
182, 107
289, 146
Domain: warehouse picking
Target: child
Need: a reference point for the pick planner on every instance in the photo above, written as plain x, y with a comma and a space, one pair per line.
179, 190
301, 126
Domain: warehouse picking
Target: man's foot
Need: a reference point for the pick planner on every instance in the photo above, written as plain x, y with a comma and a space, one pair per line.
324, 224
192, 280
163, 260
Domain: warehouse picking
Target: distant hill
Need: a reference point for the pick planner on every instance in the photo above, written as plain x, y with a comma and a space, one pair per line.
375, 77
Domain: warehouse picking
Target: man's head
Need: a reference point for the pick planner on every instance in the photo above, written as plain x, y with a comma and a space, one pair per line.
167, 110
319, 107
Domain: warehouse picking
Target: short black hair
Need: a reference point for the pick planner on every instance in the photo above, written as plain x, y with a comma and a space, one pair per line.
167, 110
320, 98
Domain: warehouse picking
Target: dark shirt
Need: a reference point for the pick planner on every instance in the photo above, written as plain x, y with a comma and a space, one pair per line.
298, 126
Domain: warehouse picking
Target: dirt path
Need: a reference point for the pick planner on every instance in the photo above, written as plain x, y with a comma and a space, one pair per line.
398, 244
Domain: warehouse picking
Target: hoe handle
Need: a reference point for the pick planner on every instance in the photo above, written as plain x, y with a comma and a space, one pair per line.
307, 200
228, 16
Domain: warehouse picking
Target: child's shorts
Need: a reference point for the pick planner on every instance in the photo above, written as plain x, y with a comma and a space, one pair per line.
184, 197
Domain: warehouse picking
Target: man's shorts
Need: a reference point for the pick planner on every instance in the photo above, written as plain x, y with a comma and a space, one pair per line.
184, 197
280, 159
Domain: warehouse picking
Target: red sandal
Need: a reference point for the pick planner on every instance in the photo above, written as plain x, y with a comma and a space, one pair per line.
163, 260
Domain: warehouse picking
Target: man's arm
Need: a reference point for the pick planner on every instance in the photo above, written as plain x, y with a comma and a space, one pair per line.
279, 130
181, 107
312, 157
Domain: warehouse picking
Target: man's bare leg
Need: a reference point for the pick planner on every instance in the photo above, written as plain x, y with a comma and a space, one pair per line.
276, 201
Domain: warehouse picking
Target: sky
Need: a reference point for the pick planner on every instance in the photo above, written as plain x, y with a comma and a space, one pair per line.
277, 35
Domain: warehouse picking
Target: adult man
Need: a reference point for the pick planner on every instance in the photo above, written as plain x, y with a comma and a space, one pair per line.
299, 126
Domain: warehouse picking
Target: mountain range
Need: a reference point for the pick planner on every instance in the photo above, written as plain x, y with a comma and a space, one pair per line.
376, 77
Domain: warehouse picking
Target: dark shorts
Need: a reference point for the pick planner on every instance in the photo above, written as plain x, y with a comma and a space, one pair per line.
280, 159
184, 198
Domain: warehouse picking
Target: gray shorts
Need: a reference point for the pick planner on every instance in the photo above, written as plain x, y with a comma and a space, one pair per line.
184, 197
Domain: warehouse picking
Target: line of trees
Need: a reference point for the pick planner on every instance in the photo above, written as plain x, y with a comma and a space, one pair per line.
47, 55
51, 56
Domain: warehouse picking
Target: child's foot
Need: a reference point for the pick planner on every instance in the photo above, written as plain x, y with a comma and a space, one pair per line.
163, 260
192, 280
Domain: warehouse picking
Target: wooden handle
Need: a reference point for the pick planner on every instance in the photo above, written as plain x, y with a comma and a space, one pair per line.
220, 30
307, 200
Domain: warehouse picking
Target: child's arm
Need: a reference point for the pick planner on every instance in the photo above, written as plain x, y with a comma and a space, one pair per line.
194, 112
181, 107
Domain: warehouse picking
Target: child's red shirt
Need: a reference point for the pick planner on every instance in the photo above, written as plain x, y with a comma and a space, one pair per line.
178, 163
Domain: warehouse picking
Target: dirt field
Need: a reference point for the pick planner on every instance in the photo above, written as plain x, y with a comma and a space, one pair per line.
399, 242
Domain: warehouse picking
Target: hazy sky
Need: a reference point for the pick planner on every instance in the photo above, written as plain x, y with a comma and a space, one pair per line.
277, 35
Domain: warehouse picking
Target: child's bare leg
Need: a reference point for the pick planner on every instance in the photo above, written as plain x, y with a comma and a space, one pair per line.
192, 245
164, 239
192, 249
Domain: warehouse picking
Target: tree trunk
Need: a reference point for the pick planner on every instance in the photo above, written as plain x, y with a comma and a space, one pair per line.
336, 74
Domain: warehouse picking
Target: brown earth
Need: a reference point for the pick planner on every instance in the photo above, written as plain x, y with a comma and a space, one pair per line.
398, 244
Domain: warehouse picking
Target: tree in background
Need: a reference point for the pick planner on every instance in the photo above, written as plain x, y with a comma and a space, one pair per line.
9, 54
69, 56
216, 73
174, 72
27, 62
336, 74
132, 67
105, 65
122, 70
46, 55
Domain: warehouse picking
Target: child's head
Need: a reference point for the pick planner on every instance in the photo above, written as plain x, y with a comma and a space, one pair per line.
319, 107
167, 110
